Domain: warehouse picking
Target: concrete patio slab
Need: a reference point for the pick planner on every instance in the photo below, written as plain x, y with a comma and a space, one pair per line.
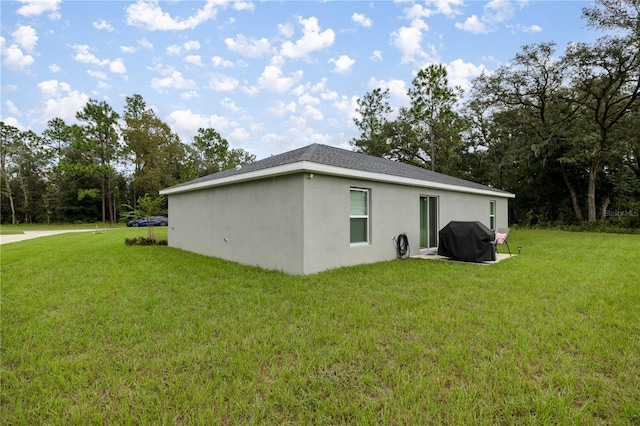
434, 256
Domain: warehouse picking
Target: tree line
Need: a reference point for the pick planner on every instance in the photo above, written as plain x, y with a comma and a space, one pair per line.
99, 168
561, 130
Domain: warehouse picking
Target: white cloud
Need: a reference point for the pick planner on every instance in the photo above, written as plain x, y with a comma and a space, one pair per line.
145, 44
84, 55
60, 100
187, 120
460, 73
397, 89
311, 40
13, 122
272, 79
279, 108
128, 49
189, 95
409, 40
149, 15
13, 109
312, 113
97, 74
498, 11
447, 7
191, 45
38, 7
249, 47
174, 49
417, 11
117, 66
229, 104
25, 37
243, 5
530, 29
362, 20
239, 135
217, 61
495, 12
13, 56
307, 99
342, 65
102, 25
173, 81
473, 25
223, 83
376, 56
54, 68
194, 60
286, 30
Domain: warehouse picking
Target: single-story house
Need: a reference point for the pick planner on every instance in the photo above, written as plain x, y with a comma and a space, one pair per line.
321, 207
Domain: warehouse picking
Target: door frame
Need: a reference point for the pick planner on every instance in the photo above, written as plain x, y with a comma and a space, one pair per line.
429, 221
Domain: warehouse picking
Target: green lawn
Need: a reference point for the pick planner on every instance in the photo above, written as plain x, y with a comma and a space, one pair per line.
97, 332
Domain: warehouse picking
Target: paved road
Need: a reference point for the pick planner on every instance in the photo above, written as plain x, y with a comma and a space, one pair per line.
14, 238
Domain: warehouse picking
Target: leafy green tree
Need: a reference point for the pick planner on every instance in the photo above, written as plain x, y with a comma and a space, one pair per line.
58, 136
158, 156
147, 207
373, 120
432, 110
429, 128
527, 101
77, 179
100, 127
606, 83
212, 154
23, 162
8, 142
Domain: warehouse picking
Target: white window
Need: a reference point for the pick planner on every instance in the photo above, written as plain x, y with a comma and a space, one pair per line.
359, 215
492, 215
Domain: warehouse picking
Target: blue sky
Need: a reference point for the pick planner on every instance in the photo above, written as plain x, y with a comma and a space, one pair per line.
268, 76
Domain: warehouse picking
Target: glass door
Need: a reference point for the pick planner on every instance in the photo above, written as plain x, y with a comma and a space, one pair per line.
428, 221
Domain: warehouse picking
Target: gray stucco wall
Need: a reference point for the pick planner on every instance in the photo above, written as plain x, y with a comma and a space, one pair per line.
394, 209
300, 225
255, 223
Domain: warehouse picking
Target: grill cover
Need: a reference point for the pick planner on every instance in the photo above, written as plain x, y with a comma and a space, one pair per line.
467, 242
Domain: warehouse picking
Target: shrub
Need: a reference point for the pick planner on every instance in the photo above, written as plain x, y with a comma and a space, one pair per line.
143, 241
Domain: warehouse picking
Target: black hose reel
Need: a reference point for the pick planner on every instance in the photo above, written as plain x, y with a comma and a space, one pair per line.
402, 246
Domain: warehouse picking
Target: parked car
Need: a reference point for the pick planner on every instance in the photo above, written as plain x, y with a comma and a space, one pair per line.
149, 221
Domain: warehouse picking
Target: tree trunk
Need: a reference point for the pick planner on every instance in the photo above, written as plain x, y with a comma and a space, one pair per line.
591, 189
103, 185
11, 203
110, 203
572, 193
432, 140
605, 206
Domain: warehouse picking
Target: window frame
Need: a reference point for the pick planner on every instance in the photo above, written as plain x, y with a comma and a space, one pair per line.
366, 217
492, 214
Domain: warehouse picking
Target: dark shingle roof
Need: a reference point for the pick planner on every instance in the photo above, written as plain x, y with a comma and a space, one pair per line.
332, 156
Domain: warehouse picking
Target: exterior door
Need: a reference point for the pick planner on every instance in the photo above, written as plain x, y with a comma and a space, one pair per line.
428, 222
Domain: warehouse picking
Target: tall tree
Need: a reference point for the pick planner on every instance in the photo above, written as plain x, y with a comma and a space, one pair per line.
532, 87
8, 142
58, 136
606, 81
100, 126
213, 153
373, 120
432, 107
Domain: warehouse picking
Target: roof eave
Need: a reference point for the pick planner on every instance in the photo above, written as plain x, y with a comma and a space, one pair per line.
313, 167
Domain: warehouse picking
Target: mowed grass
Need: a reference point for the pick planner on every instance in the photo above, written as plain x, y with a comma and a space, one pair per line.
97, 332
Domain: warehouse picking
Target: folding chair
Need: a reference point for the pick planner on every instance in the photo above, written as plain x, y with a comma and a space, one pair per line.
502, 236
